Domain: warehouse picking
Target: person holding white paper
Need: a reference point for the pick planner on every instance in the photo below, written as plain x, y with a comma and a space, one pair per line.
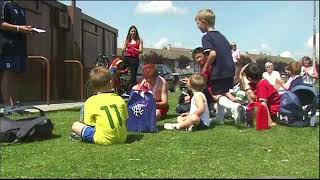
13, 48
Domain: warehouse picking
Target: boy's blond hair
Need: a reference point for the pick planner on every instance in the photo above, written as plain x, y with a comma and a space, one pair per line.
100, 78
206, 15
197, 82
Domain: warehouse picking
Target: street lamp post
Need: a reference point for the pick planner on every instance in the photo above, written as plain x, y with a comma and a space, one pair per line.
314, 32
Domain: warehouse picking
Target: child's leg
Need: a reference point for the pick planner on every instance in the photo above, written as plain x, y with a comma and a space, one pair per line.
220, 112
77, 127
161, 113
184, 122
270, 121
231, 97
158, 114
181, 118
236, 108
219, 115
190, 120
86, 132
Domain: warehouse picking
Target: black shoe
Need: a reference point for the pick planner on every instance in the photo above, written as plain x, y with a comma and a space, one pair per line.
74, 136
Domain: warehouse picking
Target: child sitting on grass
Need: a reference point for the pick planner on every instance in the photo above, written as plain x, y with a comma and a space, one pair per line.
105, 114
260, 90
198, 116
293, 70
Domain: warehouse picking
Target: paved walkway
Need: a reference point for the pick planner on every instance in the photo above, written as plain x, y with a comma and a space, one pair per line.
59, 106
51, 107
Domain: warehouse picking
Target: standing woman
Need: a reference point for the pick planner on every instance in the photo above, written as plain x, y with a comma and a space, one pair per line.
13, 48
133, 47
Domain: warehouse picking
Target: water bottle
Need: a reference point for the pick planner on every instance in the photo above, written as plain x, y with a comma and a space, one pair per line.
81, 114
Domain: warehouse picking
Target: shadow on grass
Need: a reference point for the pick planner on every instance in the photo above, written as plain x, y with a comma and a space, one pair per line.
170, 116
35, 139
131, 138
160, 127
239, 125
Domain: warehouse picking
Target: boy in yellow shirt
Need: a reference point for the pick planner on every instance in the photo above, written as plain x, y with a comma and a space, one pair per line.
105, 114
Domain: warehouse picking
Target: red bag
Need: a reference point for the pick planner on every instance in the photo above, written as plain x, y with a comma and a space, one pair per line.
258, 113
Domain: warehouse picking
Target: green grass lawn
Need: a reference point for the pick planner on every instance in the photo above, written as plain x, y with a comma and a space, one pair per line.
225, 151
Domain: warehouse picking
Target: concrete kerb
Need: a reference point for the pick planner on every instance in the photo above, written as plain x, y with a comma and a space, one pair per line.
56, 107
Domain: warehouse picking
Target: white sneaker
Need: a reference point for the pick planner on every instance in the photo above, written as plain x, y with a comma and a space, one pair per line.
190, 128
125, 95
238, 113
170, 126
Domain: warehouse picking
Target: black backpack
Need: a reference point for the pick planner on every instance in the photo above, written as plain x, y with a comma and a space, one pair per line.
31, 128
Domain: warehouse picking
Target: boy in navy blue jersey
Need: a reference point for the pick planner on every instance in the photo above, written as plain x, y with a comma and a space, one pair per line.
219, 67
13, 48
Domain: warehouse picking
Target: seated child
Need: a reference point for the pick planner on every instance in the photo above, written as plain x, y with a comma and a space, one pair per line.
118, 69
198, 116
105, 114
293, 70
159, 88
260, 90
227, 101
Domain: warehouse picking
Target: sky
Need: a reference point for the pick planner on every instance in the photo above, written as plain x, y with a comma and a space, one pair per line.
282, 28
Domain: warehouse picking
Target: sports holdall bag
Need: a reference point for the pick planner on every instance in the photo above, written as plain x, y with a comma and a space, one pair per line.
31, 128
142, 112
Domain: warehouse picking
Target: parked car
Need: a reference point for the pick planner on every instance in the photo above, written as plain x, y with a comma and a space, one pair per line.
163, 71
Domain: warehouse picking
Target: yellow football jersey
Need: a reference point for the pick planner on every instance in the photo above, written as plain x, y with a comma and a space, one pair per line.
108, 113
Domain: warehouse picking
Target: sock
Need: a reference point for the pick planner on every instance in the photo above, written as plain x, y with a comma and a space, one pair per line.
227, 103
176, 125
220, 112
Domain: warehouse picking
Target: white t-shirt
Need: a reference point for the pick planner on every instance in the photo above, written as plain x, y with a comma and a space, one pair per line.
306, 78
272, 77
205, 115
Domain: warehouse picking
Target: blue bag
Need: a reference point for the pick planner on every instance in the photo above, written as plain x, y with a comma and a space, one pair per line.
142, 112
291, 111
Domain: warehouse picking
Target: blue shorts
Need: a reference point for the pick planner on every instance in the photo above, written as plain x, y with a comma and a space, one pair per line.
221, 86
87, 134
12, 63
201, 126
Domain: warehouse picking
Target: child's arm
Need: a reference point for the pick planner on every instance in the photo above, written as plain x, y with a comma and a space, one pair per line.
244, 82
209, 62
164, 96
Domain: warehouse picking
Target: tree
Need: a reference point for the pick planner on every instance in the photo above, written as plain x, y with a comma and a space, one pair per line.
183, 62
278, 66
154, 58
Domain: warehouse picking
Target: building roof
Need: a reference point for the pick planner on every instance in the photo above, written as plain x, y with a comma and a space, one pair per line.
254, 57
175, 53
170, 54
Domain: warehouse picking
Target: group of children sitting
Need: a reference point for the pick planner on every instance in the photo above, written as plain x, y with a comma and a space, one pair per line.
105, 114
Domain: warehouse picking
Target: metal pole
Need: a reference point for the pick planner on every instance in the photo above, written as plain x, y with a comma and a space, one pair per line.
314, 33
73, 3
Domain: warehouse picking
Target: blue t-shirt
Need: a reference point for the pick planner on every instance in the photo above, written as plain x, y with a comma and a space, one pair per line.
12, 43
223, 66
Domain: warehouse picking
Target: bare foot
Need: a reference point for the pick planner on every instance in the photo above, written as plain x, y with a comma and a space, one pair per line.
273, 124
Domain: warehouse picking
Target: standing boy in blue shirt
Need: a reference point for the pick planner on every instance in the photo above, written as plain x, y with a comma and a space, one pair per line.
220, 63
13, 48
